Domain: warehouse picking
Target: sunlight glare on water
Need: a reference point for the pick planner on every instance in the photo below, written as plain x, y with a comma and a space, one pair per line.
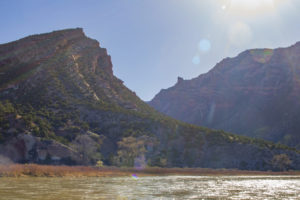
164, 187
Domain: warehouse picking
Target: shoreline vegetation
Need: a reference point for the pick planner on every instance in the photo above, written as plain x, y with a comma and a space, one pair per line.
35, 170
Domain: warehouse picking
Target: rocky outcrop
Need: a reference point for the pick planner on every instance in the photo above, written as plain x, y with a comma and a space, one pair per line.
61, 104
27, 148
255, 94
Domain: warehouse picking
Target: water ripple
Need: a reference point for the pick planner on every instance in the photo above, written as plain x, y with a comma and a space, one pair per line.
164, 187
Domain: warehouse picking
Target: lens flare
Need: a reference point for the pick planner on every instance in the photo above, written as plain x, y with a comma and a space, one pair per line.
196, 60
204, 45
134, 176
262, 56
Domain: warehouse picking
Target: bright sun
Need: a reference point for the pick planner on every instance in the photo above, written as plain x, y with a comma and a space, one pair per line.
251, 5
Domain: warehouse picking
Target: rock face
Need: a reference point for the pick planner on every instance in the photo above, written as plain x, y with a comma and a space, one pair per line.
61, 104
27, 147
254, 94
62, 57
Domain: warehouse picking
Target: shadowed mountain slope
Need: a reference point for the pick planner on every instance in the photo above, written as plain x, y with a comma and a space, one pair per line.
255, 94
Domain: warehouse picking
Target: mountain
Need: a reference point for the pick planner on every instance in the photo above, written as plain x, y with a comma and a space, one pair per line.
61, 104
256, 93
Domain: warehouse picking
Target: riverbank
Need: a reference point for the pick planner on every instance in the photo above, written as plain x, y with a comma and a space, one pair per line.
34, 170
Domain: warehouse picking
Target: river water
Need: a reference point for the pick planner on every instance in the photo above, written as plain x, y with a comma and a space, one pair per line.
157, 187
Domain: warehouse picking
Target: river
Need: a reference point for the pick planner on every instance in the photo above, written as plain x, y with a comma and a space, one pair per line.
154, 187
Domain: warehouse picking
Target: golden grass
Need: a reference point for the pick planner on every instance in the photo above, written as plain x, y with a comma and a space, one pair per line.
20, 170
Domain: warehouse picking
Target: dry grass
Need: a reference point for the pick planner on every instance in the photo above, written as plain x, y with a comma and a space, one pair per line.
18, 170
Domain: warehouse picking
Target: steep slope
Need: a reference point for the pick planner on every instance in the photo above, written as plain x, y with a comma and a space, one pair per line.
256, 94
61, 103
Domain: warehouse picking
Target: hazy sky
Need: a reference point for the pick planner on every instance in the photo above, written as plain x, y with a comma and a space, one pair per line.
152, 42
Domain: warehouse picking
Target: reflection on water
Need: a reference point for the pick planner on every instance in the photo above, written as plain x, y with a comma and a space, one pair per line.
163, 187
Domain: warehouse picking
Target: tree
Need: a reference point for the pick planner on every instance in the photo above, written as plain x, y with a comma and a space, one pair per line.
99, 163
281, 162
130, 149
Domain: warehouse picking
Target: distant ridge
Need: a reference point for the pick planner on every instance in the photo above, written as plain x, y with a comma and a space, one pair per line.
255, 94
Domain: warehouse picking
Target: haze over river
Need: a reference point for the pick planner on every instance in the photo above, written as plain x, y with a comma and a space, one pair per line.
155, 187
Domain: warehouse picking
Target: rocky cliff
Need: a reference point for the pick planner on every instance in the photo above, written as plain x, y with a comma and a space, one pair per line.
255, 94
61, 104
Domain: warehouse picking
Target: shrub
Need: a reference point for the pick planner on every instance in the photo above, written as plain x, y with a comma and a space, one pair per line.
99, 163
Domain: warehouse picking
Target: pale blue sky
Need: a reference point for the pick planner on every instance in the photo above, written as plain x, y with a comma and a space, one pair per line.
152, 42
